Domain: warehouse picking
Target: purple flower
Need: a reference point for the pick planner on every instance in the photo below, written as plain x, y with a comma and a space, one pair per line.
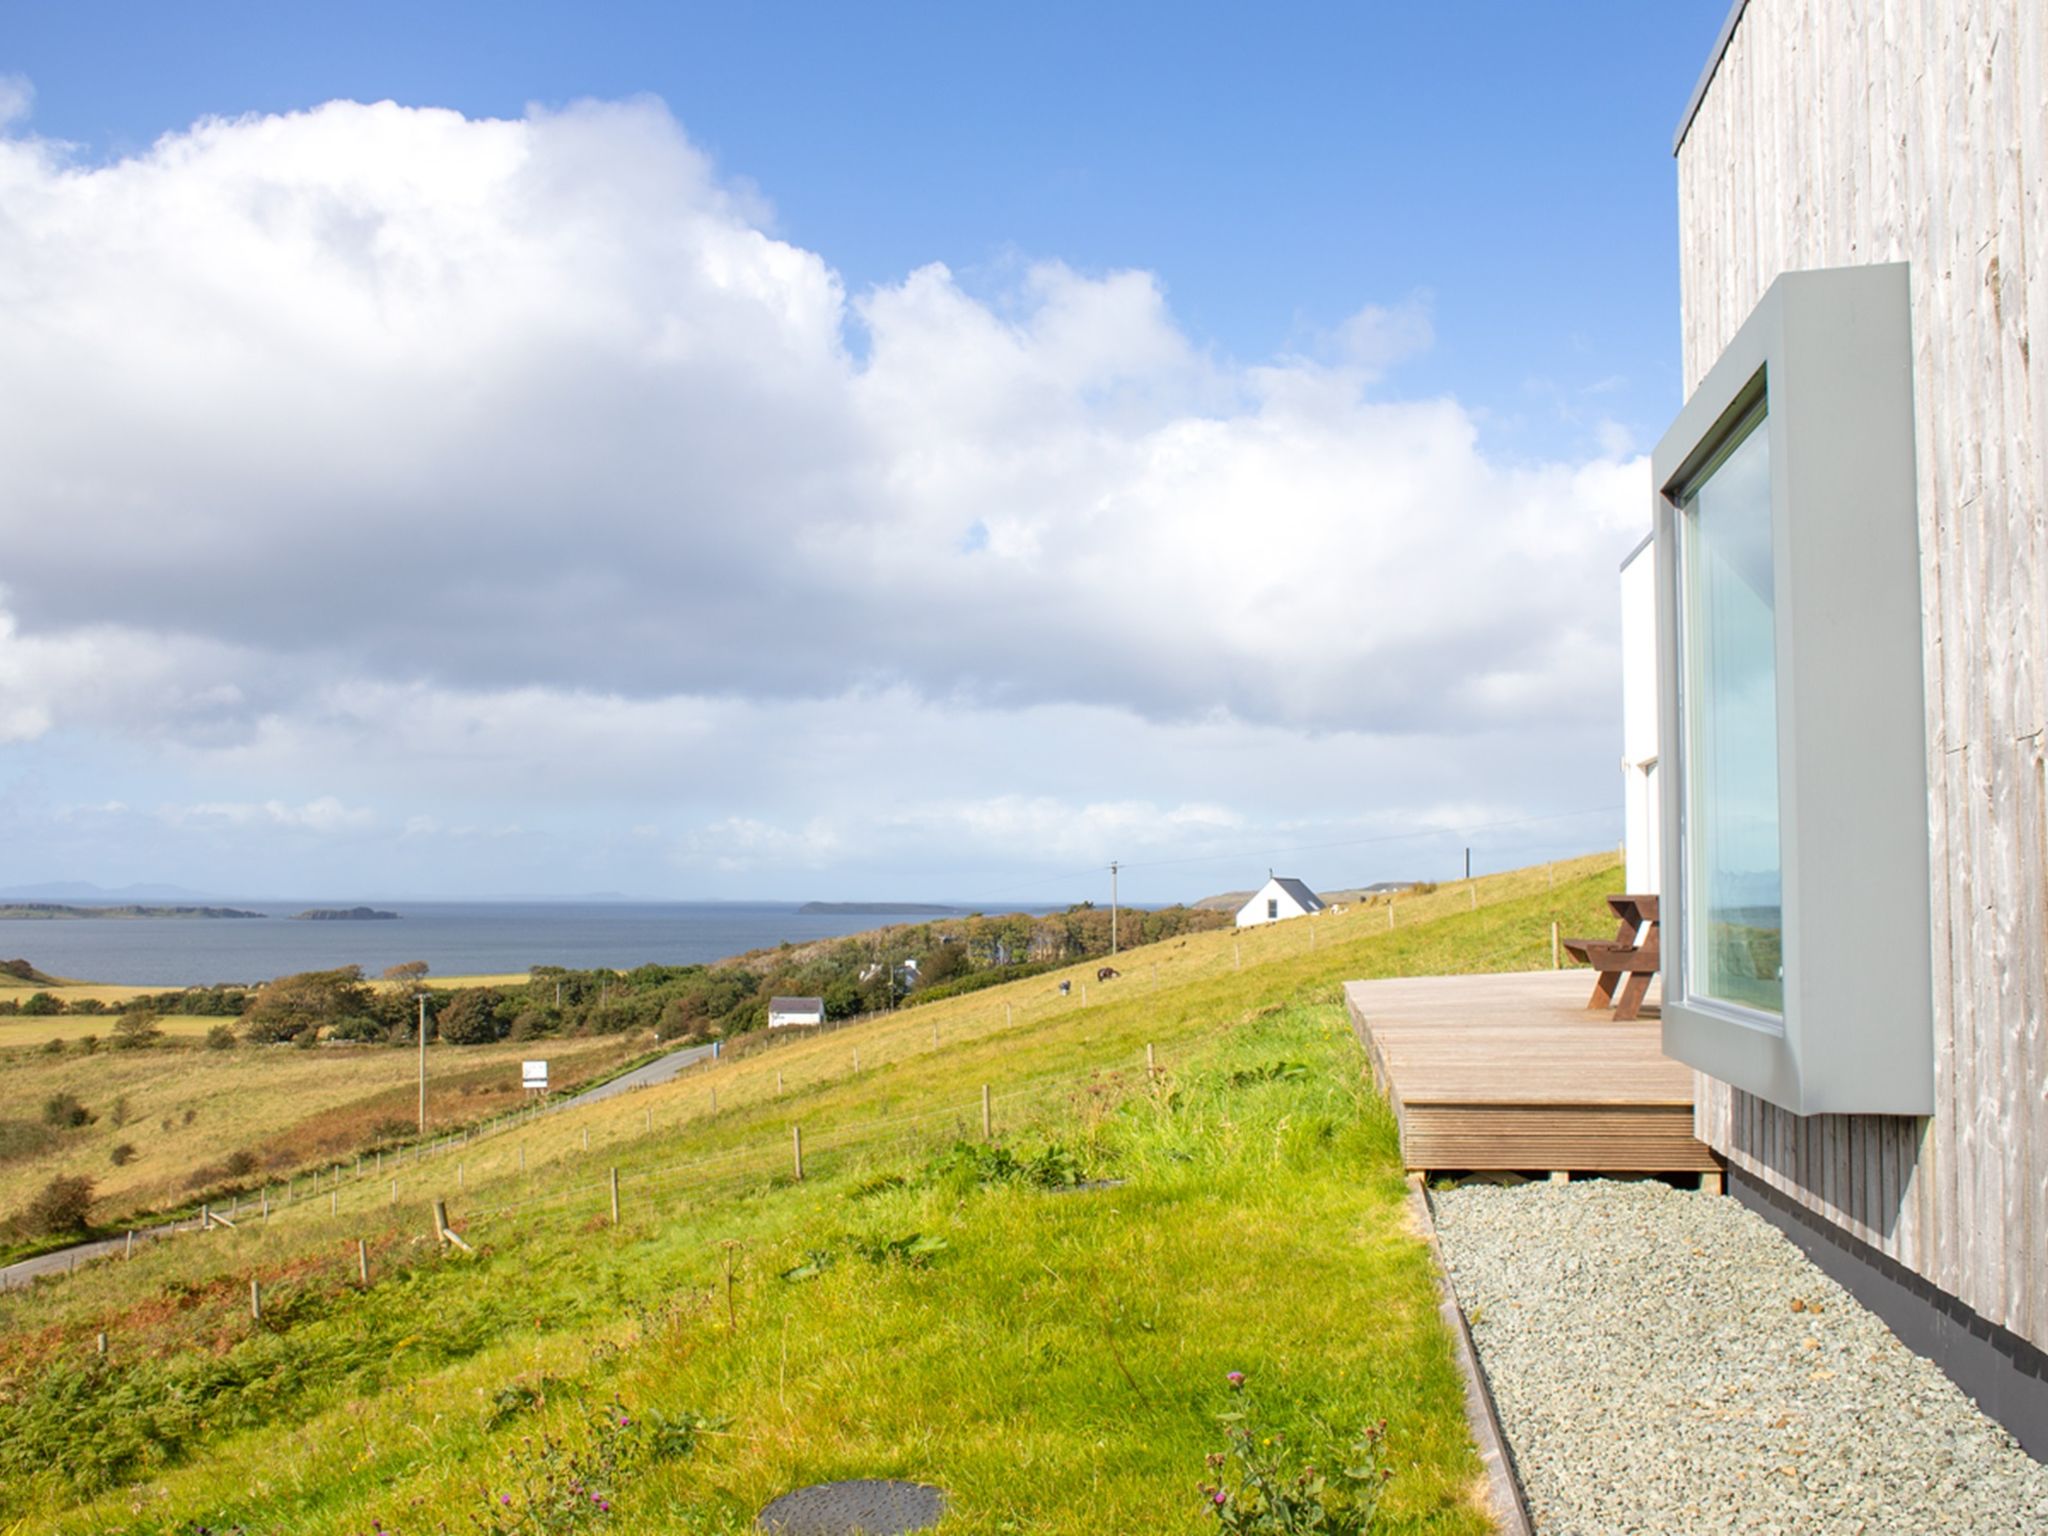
1221, 1498
1236, 1380
505, 1499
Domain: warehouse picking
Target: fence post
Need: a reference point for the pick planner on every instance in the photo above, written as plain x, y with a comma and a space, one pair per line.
615, 1197
255, 1300
586, 1138
987, 1118
1556, 960
130, 1253
334, 1202
101, 1341
363, 1263
266, 1202
1149, 1064
796, 1143
778, 1080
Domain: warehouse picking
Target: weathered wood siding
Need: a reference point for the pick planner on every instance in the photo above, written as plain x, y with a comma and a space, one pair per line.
1838, 132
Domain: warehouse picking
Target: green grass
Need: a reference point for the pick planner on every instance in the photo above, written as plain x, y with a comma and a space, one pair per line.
1055, 1360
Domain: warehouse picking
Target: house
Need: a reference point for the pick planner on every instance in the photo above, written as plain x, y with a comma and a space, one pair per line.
1280, 898
785, 1011
1851, 581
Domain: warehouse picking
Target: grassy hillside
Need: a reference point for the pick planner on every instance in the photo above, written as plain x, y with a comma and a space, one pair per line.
923, 1304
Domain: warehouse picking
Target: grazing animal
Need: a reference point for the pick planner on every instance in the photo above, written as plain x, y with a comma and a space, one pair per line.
1108, 973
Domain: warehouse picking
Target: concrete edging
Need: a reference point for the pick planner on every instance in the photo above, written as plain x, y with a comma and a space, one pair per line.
1504, 1490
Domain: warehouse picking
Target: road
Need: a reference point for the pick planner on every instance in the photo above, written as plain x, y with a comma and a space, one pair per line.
660, 1070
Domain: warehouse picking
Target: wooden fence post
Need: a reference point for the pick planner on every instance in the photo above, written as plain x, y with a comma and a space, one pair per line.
988, 1123
130, 1252
101, 1342
266, 1202
255, 1299
363, 1263
615, 1197
1149, 1064
796, 1143
778, 1081
586, 1138
1556, 960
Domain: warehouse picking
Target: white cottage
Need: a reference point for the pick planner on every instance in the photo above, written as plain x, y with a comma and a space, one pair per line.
785, 1011
1279, 899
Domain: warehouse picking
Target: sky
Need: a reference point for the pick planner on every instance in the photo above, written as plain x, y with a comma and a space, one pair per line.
743, 451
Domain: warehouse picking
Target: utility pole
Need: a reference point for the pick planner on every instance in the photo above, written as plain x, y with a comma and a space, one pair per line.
1113, 867
423, 1063
1468, 863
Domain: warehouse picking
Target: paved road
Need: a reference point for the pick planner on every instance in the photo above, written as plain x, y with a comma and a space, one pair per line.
657, 1071
660, 1070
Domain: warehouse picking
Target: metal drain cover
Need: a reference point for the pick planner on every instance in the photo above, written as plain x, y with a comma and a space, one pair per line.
863, 1507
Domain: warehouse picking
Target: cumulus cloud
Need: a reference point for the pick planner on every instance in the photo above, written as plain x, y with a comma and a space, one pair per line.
391, 397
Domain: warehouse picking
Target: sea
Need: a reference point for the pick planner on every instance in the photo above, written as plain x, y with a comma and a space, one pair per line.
455, 938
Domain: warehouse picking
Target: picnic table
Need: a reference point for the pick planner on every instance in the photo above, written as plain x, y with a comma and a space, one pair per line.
1632, 952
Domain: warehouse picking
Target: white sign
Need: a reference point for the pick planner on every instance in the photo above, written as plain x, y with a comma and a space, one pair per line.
533, 1075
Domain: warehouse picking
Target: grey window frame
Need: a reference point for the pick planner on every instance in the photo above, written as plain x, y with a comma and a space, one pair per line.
1829, 355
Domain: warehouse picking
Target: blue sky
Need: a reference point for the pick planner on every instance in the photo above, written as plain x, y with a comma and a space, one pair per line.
1180, 434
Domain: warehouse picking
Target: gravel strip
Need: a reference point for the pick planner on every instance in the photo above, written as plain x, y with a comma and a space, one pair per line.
1667, 1361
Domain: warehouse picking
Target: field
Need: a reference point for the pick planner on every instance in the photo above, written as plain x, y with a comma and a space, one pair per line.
924, 1303
184, 1110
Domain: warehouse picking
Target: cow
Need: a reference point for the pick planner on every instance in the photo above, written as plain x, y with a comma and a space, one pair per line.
1108, 973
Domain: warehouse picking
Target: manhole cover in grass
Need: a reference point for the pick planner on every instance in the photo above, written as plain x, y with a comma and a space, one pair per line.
864, 1507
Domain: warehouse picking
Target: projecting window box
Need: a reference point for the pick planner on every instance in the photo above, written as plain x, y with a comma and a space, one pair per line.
1796, 932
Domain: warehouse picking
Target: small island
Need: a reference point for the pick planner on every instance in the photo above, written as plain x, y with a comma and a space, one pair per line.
343, 915
875, 909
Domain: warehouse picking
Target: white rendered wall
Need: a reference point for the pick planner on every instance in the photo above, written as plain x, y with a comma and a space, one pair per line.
1642, 825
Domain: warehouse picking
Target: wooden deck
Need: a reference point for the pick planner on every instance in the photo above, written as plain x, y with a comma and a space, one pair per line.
1515, 1074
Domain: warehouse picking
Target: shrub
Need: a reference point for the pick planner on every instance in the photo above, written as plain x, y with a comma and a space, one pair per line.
62, 1205
220, 1037
87, 1044
64, 1109
53, 1047
123, 1155
41, 1004
119, 1114
470, 1017
136, 1031
243, 1163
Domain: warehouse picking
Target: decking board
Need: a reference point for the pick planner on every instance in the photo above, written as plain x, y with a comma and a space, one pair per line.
1514, 1072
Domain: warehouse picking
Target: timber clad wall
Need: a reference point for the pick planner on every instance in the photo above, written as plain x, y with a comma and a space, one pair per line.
1836, 133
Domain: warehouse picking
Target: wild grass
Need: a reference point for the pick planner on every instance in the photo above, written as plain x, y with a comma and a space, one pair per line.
1053, 1357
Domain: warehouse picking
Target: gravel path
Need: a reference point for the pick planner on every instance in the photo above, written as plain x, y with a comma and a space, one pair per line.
1666, 1361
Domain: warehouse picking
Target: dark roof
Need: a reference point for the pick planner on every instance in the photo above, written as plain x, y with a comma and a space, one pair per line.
1699, 91
796, 1005
1309, 900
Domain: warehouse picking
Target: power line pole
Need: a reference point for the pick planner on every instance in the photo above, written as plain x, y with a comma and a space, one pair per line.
423, 1063
1113, 867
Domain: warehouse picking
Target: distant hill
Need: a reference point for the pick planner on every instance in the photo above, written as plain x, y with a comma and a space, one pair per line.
876, 909
343, 915
1228, 901
56, 910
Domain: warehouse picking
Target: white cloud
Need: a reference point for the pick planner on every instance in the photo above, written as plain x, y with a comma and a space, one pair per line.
459, 463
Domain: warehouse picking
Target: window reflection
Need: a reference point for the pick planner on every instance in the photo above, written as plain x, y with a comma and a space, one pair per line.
1734, 948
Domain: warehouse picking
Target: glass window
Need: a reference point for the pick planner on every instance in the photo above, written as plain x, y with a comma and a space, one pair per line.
1735, 927
1272, 906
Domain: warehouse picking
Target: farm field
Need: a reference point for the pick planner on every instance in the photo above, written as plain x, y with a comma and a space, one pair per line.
183, 1111
924, 1303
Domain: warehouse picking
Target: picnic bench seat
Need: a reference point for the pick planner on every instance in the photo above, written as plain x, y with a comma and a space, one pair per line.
1632, 952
